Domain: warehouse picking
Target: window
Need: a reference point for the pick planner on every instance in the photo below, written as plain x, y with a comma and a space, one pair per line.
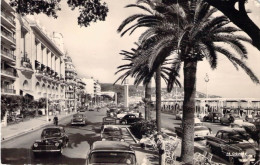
219, 134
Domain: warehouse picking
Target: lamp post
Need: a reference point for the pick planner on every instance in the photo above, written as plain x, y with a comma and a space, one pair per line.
47, 106
206, 80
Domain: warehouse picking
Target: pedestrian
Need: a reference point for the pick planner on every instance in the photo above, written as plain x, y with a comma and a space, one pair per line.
55, 120
231, 118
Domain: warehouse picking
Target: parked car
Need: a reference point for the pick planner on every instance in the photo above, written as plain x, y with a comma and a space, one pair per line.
213, 117
243, 124
78, 119
112, 133
233, 143
224, 120
112, 112
178, 116
111, 153
53, 139
200, 131
121, 114
129, 119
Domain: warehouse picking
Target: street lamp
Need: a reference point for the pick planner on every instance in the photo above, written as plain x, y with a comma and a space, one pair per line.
206, 80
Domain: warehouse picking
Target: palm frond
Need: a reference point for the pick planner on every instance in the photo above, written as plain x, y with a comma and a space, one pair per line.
141, 7
229, 55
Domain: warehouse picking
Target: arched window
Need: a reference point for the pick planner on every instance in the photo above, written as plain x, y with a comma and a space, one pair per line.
25, 85
37, 87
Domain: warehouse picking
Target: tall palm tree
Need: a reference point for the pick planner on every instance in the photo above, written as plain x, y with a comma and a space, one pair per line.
141, 73
191, 33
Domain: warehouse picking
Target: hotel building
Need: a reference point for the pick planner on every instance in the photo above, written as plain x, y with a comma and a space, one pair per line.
8, 50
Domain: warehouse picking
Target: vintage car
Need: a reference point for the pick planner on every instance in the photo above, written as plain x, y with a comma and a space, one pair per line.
233, 143
129, 119
224, 120
213, 117
121, 114
200, 131
111, 153
111, 133
243, 124
78, 119
112, 112
178, 116
53, 139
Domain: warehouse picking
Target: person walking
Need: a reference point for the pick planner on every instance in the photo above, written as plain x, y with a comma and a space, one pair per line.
55, 120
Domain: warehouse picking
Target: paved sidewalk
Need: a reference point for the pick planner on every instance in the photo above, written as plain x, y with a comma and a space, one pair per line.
15, 130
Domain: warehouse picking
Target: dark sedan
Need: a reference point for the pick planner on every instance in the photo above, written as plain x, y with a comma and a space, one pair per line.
53, 139
233, 143
129, 119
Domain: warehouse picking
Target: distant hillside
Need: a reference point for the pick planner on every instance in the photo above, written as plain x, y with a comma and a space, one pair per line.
139, 91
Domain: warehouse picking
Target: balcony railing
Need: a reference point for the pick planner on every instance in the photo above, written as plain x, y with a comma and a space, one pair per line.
10, 73
25, 62
10, 37
9, 18
6, 90
8, 54
37, 65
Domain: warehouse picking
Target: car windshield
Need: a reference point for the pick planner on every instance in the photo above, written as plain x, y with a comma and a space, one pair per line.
78, 116
113, 158
239, 135
198, 124
51, 132
217, 114
111, 130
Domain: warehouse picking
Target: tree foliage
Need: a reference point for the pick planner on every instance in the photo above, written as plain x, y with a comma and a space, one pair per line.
90, 10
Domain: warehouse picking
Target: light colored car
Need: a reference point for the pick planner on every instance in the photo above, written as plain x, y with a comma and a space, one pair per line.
200, 131
111, 153
78, 119
178, 116
111, 133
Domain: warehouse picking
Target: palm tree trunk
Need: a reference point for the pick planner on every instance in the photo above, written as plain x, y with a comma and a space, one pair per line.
158, 104
187, 149
158, 98
148, 95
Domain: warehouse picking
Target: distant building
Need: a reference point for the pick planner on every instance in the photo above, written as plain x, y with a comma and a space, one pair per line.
93, 88
70, 78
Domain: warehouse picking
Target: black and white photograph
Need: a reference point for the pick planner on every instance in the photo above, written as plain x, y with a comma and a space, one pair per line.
130, 82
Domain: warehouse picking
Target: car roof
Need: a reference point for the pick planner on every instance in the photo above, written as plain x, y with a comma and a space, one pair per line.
53, 127
232, 129
111, 126
111, 145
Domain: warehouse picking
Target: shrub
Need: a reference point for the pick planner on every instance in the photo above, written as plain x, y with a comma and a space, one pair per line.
143, 127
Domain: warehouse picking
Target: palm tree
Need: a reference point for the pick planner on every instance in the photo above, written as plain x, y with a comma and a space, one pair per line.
190, 33
141, 74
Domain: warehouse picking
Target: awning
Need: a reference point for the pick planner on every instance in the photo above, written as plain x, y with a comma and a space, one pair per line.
28, 92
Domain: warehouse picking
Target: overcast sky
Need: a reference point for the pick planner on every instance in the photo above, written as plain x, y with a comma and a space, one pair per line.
95, 50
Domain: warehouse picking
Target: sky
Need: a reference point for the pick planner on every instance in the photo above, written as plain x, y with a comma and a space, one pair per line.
95, 50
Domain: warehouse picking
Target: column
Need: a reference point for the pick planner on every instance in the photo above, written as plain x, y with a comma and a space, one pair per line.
44, 56
126, 100
39, 53
49, 59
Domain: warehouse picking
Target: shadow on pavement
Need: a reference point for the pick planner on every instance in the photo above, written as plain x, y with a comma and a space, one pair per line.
77, 138
25, 156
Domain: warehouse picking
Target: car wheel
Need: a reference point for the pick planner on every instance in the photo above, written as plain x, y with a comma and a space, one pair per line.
123, 122
204, 119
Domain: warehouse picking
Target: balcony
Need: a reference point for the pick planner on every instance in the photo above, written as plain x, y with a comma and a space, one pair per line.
43, 68
8, 56
5, 90
70, 76
37, 65
39, 73
26, 65
8, 36
70, 70
8, 18
8, 74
